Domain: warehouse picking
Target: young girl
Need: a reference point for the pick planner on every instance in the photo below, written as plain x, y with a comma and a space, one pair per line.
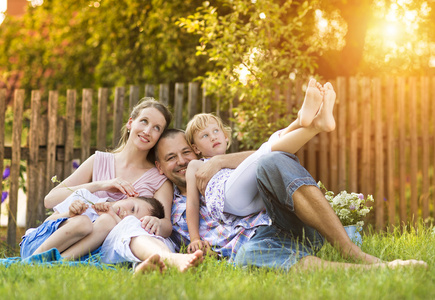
234, 191
82, 235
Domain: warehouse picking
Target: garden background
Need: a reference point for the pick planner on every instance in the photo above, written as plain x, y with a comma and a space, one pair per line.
70, 70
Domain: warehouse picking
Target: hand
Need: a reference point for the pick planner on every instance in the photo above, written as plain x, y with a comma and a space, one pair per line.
101, 208
77, 208
151, 224
205, 172
198, 244
121, 185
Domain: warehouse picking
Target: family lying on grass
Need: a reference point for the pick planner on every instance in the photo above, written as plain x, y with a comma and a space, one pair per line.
257, 208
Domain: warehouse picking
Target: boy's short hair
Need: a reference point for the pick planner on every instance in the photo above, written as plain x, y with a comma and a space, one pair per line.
157, 209
200, 121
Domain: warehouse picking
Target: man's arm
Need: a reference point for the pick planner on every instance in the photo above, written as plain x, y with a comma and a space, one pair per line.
216, 163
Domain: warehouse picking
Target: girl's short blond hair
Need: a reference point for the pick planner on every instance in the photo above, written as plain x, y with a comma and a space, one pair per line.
200, 121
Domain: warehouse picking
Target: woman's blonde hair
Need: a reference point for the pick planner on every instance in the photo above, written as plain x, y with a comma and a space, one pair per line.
137, 109
200, 121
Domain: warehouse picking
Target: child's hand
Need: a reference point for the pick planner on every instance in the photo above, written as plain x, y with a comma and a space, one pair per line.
101, 208
106, 208
198, 245
151, 224
77, 208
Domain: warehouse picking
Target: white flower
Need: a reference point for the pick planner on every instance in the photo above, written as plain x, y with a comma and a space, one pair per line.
350, 207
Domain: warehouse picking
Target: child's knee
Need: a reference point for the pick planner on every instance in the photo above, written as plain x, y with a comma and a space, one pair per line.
82, 225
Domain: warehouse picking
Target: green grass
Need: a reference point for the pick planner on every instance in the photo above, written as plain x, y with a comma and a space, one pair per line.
218, 280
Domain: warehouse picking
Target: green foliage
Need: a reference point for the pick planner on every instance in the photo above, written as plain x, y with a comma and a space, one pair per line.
256, 45
88, 44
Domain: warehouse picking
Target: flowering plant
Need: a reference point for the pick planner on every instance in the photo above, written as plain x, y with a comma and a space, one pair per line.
350, 207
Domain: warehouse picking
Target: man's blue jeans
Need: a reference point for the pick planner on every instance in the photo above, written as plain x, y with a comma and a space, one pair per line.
288, 239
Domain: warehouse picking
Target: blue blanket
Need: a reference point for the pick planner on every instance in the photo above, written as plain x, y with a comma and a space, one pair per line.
52, 258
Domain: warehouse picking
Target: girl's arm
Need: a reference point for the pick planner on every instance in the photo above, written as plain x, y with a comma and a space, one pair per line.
192, 209
162, 227
208, 169
82, 179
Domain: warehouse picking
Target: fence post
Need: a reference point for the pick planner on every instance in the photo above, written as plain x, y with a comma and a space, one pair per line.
424, 92
164, 94
192, 101
118, 111
2, 132
341, 132
178, 105
71, 99
103, 95
32, 162
86, 124
379, 155
414, 147
133, 98
15, 167
390, 101
51, 141
401, 96
149, 90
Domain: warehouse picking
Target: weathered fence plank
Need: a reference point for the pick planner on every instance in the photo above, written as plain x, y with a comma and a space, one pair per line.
133, 98
401, 96
70, 120
192, 99
379, 155
366, 135
353, 135
51, 138
424, 108
15, 166
341, 132
118, 111
414, 150
390, 150
2, 133
32, 216
178, 104
103, 95
86, 124
164, 93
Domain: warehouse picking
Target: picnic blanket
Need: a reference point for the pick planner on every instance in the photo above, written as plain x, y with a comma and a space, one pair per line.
52, 258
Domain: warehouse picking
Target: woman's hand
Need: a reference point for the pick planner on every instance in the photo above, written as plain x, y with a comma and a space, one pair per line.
121, 185
76, 208
151, 224
198, 245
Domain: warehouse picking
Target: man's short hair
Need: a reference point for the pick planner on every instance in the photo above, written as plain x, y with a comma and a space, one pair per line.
157, 209
168, 133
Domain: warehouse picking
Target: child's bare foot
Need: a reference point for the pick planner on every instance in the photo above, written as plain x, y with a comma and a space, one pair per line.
324, 120
312, 102
185, 261
153, 263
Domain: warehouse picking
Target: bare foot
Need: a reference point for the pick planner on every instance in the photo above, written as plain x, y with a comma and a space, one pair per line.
324, 120
153, 263
185, 261
412, 262
312, 102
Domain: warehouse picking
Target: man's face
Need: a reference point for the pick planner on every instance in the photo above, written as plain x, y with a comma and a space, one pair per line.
174, 155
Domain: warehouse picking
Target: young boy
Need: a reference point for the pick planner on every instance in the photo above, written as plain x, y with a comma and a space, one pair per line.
76, 229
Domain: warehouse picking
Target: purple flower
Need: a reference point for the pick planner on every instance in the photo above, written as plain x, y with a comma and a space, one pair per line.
6, 172
361, 196
352, 207
4, 196
75, 164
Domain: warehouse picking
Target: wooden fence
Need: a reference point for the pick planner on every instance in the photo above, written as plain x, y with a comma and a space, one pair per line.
384, 143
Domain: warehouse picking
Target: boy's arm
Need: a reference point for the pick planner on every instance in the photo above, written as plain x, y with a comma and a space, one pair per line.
192, 208
207, 170
105, 207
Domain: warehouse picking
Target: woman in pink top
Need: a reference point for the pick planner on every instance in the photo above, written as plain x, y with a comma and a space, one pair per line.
129, 171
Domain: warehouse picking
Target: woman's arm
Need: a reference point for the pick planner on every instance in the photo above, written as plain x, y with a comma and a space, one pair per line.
162, 227
82, 179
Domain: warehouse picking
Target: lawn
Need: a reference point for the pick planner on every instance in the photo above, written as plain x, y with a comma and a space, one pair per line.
219, 280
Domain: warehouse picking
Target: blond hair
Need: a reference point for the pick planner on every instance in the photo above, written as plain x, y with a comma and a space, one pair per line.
200, 121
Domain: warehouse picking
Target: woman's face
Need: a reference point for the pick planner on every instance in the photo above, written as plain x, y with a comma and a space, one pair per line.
147, 128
